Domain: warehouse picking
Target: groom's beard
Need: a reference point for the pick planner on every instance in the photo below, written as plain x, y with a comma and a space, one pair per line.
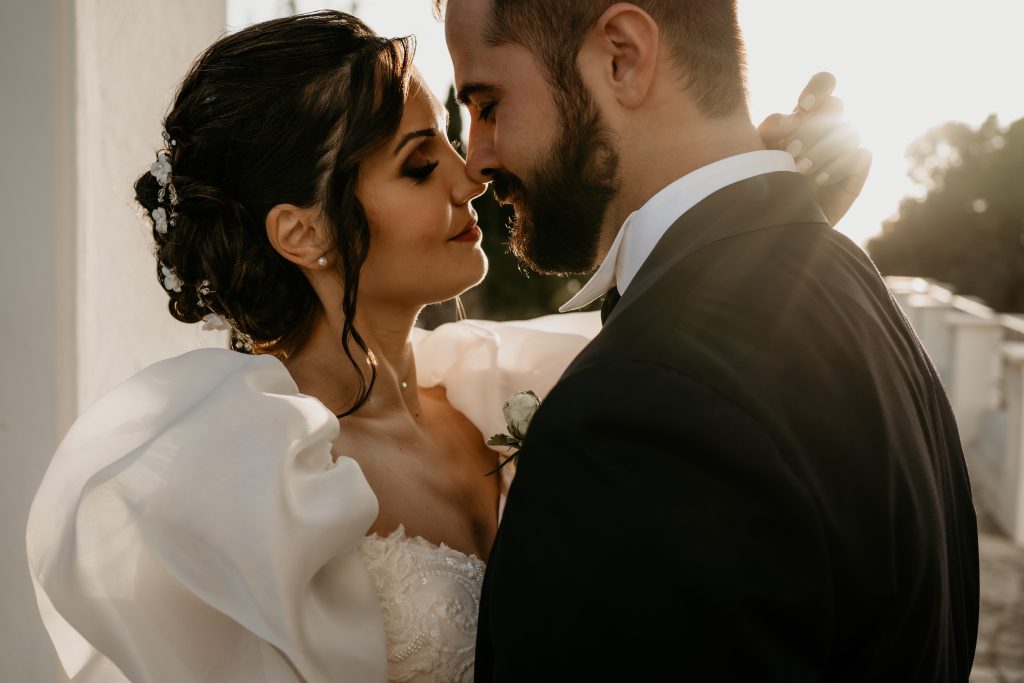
559, 214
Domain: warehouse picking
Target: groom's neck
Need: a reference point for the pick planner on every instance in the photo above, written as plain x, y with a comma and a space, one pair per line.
669, 150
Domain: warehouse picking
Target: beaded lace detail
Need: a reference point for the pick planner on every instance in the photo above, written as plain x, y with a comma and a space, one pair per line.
430, 597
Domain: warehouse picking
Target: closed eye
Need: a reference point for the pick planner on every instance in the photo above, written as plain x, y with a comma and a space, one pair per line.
486, 112
421, 172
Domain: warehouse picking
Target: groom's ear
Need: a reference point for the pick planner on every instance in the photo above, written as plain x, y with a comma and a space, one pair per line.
620, 54
293, 234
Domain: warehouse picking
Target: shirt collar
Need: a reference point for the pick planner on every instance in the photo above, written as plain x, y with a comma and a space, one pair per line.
645, 227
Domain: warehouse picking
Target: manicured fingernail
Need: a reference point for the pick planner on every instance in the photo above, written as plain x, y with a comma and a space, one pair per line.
823, 178
787, 119
807, 102
804, 165
795, 148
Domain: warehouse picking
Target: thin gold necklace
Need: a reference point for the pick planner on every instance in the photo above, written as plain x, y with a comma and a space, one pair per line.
403, 385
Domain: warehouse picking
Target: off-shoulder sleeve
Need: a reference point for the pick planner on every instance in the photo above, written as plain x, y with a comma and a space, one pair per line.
192, 527
481, 363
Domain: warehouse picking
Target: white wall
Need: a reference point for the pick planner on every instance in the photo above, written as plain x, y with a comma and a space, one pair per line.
131, 56
83, 86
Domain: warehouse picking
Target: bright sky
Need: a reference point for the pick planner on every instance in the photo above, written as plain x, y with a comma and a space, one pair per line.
903, 67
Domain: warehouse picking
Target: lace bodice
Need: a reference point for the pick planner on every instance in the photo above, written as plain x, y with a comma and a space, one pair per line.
430, 596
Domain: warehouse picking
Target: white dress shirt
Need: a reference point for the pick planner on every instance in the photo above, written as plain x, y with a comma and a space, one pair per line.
645, 227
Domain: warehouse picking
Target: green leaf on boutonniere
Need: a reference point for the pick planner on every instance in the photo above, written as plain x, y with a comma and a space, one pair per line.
503, 440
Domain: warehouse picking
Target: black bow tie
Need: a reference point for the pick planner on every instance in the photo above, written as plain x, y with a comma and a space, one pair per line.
610, 299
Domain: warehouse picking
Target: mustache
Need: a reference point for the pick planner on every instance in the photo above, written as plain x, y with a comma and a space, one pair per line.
506, 185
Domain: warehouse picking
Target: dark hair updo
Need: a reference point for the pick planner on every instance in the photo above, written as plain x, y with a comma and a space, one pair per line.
281, 112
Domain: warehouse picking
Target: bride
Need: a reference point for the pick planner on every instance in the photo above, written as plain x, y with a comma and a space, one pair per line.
310, 506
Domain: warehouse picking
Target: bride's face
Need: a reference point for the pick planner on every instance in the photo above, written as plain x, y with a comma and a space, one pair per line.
424, 241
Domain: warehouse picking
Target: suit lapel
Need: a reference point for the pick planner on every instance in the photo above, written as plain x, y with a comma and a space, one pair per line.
765, 201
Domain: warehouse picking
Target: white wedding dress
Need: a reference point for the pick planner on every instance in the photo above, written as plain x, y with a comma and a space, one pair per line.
192, 526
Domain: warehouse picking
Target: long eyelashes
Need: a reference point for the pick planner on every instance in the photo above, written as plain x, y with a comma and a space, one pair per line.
421, 172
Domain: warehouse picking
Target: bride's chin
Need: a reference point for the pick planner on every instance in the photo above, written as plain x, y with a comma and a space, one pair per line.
468, 284
474, 278
481, 274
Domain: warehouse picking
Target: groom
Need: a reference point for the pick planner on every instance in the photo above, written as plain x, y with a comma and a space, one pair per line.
752, 473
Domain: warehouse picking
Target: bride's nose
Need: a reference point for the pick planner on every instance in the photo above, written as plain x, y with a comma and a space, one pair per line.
467, 188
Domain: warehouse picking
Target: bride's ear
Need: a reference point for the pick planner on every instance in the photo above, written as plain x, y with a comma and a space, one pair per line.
294, 234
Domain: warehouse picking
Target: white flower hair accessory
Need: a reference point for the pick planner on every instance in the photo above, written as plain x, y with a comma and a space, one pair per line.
202, 293
243, 340
161, 169
160, 220
164, 217
213, 322
172, 283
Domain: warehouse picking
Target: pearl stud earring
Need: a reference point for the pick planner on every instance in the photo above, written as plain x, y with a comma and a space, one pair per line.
322, 261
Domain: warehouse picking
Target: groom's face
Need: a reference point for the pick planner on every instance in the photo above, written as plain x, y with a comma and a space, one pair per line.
545, 150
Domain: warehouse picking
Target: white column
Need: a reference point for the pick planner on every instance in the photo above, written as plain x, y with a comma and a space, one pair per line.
975, 371
1013, 481
36, 298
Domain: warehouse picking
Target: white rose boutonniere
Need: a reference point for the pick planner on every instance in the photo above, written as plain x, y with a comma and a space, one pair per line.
519, 410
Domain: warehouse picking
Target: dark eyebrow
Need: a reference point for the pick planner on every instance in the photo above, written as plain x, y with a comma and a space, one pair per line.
409, 137
471, 89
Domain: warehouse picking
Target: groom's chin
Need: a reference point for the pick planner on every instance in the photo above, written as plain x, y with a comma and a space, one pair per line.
551, 253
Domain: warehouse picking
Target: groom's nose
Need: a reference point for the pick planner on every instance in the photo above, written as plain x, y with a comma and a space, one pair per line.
481, 158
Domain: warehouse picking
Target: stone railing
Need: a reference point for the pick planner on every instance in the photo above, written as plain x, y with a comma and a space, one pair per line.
979, 354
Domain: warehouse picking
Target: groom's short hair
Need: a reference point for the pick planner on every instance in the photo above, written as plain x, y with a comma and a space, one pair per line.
704, 35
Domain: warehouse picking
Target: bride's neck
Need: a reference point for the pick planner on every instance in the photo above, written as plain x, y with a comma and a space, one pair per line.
323, 370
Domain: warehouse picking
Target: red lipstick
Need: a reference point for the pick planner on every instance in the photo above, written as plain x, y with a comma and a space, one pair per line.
471, 234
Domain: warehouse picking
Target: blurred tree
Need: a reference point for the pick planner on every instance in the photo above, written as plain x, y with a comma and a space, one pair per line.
967, 226
509, 292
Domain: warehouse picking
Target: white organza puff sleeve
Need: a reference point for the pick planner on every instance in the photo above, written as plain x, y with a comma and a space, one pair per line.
481, 363
193, 527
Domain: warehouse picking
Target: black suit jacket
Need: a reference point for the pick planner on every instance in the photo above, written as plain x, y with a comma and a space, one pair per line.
751, 474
